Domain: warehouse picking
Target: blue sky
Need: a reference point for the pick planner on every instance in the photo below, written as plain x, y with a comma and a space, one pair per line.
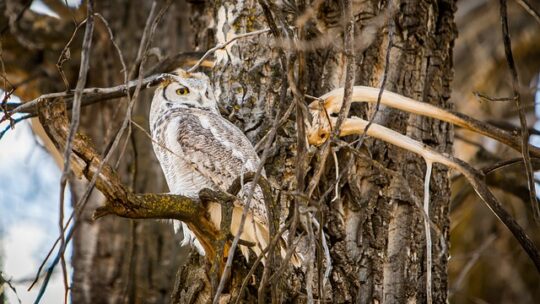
29, 196
29, 191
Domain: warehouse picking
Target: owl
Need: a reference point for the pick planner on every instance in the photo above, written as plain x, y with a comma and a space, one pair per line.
198, 148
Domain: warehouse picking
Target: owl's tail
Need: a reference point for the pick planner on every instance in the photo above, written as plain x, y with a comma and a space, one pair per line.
254, 231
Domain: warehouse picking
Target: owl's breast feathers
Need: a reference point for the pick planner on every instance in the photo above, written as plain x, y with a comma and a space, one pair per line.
199, 149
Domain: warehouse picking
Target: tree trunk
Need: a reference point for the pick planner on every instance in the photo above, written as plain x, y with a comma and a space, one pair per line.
375, 228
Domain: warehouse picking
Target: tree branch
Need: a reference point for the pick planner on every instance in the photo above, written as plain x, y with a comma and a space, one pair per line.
332, 103
356, 125
85, 162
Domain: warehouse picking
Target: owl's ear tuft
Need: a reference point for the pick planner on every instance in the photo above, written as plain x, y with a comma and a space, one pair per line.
181, 73
164, 83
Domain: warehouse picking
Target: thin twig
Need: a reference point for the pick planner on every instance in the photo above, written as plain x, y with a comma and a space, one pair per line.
310, 257
509, 162
223, 45
327, 256
51, 267
65, 54
75, 118
10, 285
530, 9
429, 259
384, 78
522, 117
485, 97
7, 93
477, 254
14, 121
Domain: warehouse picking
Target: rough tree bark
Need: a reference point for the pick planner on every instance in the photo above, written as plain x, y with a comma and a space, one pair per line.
375, 230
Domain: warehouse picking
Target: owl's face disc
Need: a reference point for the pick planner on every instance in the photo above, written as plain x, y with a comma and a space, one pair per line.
188, 90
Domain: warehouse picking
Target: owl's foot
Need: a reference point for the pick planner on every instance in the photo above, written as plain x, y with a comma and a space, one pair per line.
189, 238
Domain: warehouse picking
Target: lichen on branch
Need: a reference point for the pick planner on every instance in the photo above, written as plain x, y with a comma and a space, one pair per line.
121, 201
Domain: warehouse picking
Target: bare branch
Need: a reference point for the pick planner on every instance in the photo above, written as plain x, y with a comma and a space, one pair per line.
75, 119
530, 9
332, 104
89, 95
522, 117
476, 179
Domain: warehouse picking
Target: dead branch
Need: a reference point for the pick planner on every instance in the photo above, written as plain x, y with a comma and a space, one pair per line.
519, 105
74, 126
476, 179
332, 103
530, 9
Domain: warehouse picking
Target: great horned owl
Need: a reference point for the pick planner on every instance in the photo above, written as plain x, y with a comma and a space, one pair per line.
198, 148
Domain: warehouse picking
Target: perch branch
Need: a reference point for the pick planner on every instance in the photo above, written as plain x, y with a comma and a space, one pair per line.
85, 161
89, 95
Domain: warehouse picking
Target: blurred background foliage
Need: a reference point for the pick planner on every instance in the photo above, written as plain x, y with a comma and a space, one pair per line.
487, 265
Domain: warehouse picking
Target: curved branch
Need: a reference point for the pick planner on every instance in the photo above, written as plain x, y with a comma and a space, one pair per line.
476, 179
332, 104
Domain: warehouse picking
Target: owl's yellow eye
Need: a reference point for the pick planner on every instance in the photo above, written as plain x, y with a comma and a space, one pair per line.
182, 91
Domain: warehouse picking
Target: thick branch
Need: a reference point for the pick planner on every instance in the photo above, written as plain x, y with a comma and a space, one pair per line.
120, 201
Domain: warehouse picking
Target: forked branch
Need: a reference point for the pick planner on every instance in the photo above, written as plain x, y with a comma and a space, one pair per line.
332, 104
322, 125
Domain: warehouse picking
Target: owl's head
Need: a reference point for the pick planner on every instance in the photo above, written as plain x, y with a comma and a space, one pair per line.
185, 90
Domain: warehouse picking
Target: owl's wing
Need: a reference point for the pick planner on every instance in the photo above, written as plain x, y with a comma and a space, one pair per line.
216, 149
220, 152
